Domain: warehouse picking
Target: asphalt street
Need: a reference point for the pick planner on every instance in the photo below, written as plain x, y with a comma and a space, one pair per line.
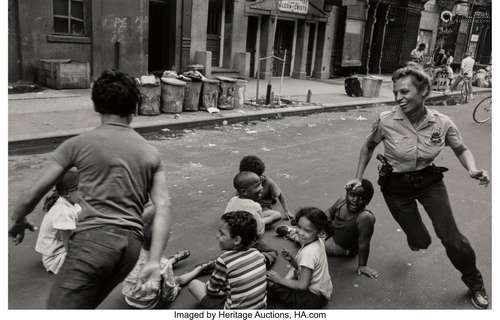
311, 158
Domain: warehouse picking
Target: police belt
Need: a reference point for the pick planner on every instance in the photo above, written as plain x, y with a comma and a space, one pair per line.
411, 181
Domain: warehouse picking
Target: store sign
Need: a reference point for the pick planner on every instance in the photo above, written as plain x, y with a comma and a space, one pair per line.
294, 6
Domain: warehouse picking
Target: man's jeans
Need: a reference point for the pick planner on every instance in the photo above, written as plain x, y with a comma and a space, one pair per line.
435, 201
97, 260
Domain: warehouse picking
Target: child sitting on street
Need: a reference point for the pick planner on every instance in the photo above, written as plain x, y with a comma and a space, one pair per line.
59, 221
167, 288
239, 277
271, 192
308, 284
249, 189
350, 228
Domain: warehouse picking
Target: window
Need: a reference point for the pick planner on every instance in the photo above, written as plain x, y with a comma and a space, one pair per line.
69, 17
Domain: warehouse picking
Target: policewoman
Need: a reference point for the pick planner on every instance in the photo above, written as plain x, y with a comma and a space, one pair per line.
413, 136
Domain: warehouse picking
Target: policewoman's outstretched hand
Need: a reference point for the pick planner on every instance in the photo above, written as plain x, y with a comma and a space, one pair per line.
480, 175
351, 184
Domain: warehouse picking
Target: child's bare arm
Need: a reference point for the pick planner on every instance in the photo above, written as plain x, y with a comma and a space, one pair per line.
282, 201
287, 255
303, 281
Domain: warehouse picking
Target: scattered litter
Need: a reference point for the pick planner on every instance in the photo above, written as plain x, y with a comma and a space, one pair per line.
241, 111
356, 285
285, 175
187, 178
40, 93
210, 145
165, 129
200, 191
174, 185
235, 151
310, 125
409, 264
342, 118
224, 123
299, 134
195, 164
210, 185
213, 110
250, 131
177, 116
188, 130
265, 149
361, 118
223, 191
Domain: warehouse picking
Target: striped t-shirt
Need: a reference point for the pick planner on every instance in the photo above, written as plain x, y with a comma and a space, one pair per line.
241, 277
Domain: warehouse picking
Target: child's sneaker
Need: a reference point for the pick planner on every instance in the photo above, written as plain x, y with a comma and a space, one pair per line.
479, 299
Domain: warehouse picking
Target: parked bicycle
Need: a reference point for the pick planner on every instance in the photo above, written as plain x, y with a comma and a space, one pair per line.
482, 111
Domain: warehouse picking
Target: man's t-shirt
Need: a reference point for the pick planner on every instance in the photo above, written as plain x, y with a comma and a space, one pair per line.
116, 167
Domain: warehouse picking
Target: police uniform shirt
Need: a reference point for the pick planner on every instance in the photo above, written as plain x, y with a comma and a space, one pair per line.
408, 148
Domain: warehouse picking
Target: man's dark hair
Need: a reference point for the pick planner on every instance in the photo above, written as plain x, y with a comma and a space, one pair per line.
253, 164
115, 92
316, 216
243, 224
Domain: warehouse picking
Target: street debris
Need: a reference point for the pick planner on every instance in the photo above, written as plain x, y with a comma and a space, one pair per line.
361, 118
165, 129
356, 285
224, 123
311, 125
265, 149
210, 145
250, 131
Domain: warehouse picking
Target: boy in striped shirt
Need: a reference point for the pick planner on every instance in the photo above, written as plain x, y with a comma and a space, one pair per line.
239, 277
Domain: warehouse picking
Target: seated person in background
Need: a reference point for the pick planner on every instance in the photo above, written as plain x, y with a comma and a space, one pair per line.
417, 54
271, 192
239, 277
59, 221
467, 70
350, 227
249, 189
308, 284
168, 286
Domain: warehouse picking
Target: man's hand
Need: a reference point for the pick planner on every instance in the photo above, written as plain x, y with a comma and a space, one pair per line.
367, 271
480, 175
149, 278
17, 230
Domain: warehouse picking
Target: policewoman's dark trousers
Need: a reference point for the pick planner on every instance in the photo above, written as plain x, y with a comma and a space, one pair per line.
97, 261
402, 202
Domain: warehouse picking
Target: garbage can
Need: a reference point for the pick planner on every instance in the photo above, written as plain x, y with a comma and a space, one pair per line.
191, 93
196, 67
241, 86
151, 93
64, 74
227, 93
172, 95
371, 86
209, 94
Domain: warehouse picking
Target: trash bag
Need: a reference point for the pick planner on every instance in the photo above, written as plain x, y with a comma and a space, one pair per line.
353, 87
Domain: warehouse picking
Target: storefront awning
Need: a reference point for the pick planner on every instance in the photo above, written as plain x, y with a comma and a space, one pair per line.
270, 7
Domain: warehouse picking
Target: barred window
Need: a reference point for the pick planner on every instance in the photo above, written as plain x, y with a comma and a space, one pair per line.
69, 17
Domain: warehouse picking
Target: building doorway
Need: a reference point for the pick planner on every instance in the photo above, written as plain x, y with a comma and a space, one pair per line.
214, 29
283, 40
161, 41
252, 30
310, 48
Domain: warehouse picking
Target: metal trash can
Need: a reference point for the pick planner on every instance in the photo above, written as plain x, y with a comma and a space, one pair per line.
241, 87
172, 95
371, 86
227, 93
151, 93
209, 94
191, 93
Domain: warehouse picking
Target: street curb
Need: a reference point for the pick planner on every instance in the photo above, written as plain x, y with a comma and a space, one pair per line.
40, 143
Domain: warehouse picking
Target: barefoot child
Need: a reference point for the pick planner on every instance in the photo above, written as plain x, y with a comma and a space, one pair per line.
239, 278
308, 284
168, 286
249, 189
59, 222
271, 192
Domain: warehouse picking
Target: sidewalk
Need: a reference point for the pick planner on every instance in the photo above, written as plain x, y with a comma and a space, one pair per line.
62, 113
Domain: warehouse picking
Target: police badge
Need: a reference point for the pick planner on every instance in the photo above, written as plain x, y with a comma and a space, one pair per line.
436, 136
